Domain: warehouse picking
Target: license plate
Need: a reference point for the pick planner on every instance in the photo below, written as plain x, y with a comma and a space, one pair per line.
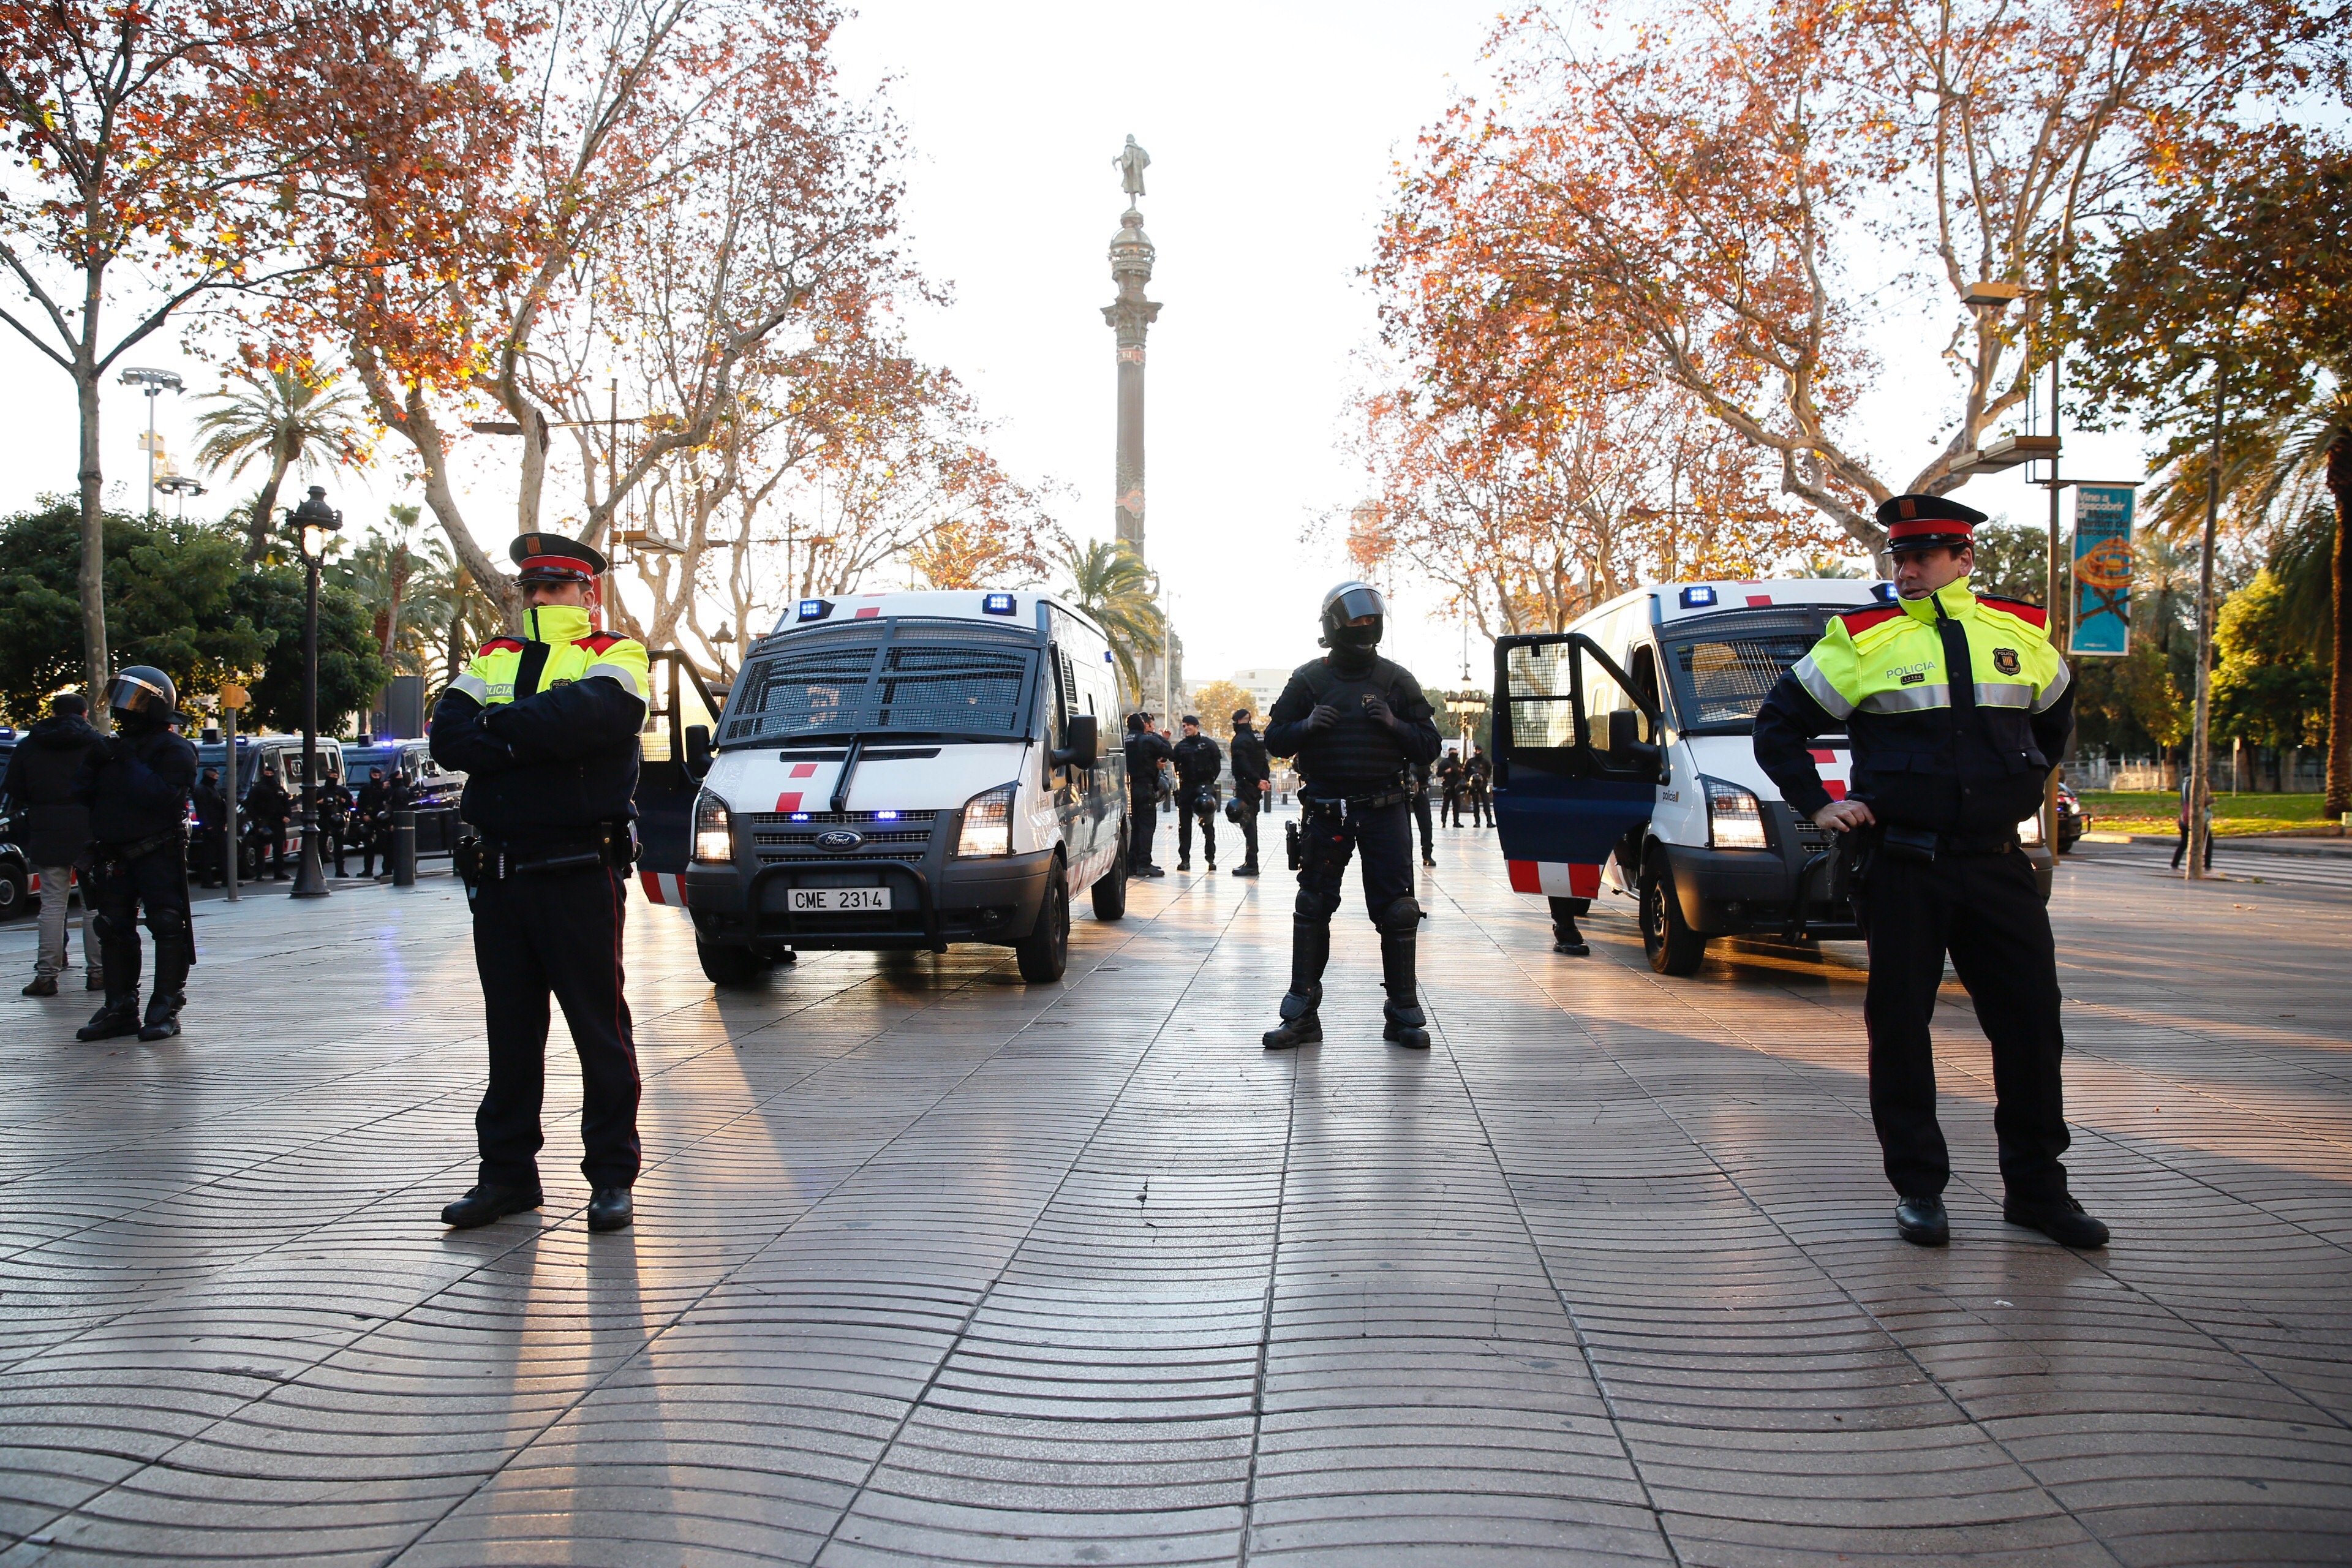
839, 901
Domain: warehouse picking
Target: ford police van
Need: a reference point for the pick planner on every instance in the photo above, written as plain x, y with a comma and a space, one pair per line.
1624, 757
906, 770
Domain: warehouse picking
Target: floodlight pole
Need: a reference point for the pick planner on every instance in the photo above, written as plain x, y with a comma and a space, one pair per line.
2201, 735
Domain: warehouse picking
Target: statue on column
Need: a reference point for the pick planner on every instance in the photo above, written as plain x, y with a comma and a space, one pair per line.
1132, 160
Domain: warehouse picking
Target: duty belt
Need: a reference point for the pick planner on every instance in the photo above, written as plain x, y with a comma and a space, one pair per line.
138, 847
1966, 844
1350, 804
494, 860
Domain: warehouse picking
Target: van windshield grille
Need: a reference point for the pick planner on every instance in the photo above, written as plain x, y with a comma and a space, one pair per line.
1722, 676
902, 677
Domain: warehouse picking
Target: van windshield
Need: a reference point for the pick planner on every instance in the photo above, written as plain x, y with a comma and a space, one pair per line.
940, 678
1722, 667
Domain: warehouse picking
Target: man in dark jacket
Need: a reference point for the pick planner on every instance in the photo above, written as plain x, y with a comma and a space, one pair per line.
54, 828
211, 827
371, 820
1145, 753
1356, 723
268, 807
135, 782
1198, 762
1253, 787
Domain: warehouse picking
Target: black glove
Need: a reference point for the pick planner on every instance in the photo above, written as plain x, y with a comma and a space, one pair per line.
116, 748
1323, 718
1377, 707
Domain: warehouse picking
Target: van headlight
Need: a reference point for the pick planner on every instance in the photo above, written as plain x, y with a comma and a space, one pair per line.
988, 822
714, 831
1735, 818
2029, 832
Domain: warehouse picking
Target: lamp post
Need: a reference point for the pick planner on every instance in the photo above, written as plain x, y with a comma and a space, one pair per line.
154, 383
312, 524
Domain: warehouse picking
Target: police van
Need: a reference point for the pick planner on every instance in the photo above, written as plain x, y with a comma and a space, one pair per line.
905, 770
1623, 758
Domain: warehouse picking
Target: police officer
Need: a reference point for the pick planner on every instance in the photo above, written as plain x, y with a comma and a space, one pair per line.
1420, 779
1253, 787
1956, 707
136, 783
370, 819
267, 809
1198, 762
1145, 753
545, 728
1356, 723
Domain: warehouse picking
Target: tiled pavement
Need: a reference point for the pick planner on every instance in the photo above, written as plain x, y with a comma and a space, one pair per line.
934, 1266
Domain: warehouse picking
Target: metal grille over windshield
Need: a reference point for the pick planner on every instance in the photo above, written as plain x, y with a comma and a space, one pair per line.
884, 678
1720, 680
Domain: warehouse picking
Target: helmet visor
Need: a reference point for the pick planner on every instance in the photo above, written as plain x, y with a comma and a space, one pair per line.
1357, 601
135, 694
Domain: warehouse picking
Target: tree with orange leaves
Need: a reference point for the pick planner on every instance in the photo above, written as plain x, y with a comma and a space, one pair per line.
1731, 186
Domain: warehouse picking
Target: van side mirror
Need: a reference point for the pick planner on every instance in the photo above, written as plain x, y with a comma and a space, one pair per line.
1084, 742
697, 750
1626, 747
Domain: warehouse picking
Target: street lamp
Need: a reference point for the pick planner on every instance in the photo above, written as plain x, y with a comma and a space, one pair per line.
182, 485
156, 383
312, 524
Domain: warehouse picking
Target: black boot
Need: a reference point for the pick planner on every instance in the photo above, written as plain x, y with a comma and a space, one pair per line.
162, 1014
1310, 949
171, 992
1407, 1026
118, 1016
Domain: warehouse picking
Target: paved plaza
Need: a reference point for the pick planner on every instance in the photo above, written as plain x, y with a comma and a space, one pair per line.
934, 1266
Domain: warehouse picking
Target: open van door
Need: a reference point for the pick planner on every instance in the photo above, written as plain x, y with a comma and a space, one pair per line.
675, 754
1578, 761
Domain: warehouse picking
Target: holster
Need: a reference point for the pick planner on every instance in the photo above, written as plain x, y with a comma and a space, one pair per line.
1290, 843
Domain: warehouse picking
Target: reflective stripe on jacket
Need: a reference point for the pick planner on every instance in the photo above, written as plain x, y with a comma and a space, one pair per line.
1891, 660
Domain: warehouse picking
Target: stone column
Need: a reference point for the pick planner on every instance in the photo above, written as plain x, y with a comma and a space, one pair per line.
1130, 317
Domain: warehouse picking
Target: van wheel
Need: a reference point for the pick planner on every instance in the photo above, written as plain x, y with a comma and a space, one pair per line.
1110, 892
14, 898
1044, 953
729, 966
1673, 947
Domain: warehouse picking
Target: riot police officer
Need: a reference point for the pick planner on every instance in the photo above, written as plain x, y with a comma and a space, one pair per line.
545, 728
136, 783
1356, 723
1145, 753
1252, 788
1956, 707
1198, 762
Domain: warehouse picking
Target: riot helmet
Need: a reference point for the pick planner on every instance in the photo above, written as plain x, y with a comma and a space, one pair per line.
1349, 601
143, 695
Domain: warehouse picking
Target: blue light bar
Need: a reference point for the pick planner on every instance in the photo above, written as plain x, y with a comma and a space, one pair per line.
800, 816
1885, 592
1697, 597
885, 817
997, 605
816, 609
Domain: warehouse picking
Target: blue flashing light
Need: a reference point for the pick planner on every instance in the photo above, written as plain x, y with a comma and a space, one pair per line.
997, 605
885, 817
1107, 658
1884, 592
1697, 597
816, 609
800, 816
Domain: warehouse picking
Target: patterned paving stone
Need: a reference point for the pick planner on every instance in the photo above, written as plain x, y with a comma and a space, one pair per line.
936, 1268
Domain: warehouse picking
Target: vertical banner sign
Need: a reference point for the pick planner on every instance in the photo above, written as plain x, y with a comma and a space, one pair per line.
2102, 565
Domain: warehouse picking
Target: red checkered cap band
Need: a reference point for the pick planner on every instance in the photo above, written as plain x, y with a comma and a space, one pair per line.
1929, 528
571, 565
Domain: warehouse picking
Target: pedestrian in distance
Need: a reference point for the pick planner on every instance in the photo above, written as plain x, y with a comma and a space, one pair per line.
1146, 751
1957, 706
1253, 787
136, 783
2181, 850
1198, 762
211, 827
53, 825
545, 728
1356, 723
1449, 783
268, 808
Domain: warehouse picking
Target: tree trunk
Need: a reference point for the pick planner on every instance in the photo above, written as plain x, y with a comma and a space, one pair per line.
265, 507
2339, 688
97, 665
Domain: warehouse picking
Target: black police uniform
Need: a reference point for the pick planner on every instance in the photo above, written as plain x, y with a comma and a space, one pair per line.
137, 783
1421, 814
1144, 752
268, 809
1948, 782
1252, 770
1198, 762
1352, 799
550, 777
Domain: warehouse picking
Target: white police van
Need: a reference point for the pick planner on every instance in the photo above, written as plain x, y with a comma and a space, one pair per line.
1624, 758
908, 770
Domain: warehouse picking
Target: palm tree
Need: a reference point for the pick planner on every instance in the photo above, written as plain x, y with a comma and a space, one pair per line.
1109, 582
2296, 471
289, 421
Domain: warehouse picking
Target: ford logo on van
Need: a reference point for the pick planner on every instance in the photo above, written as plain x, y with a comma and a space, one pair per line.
839, 840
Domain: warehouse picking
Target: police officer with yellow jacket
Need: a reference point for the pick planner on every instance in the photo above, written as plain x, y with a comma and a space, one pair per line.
545, 728
1956, 708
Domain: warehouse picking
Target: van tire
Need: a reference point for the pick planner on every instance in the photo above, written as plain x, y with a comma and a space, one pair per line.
1044, 953
1673, 947
729, 967
1110, 891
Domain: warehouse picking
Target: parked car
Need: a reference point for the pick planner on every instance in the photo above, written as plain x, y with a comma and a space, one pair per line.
2073, 820
15, 882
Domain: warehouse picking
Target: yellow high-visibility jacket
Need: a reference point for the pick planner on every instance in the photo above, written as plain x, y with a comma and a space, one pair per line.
545, 728
1957, 706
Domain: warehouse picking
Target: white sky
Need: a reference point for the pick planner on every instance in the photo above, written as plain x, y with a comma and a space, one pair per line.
1272, 130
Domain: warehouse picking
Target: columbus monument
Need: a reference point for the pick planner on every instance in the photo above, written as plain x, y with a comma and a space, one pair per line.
1130, 317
